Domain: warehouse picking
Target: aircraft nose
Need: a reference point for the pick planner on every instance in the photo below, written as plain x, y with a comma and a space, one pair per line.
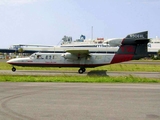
12, 61
9, 61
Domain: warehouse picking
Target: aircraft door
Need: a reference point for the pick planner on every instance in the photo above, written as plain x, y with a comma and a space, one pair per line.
99, 59
88, 60
82, 61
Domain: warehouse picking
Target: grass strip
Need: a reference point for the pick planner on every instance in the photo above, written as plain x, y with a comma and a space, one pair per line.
81, 79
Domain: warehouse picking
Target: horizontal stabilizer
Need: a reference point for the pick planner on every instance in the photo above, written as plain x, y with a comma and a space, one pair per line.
136, 38
134, 41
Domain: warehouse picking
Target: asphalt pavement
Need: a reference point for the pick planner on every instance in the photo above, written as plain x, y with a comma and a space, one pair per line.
79, 101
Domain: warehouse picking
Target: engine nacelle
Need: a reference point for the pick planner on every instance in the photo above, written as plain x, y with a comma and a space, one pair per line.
69, 56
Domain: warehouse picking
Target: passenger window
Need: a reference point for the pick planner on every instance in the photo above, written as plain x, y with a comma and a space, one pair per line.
46, 56
50, 57
53, 57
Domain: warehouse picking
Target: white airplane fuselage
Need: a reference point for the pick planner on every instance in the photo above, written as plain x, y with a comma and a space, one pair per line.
62, 60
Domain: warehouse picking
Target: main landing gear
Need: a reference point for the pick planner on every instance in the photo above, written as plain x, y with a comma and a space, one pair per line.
13, 69
81, 70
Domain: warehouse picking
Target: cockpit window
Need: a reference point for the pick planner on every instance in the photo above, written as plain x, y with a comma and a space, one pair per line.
39, 57
32, 56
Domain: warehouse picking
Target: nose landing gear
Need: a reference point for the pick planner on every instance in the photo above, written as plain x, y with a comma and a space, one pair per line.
13, 69
81, 70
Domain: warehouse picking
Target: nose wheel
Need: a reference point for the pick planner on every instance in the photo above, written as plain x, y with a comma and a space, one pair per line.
81, 70
13, 69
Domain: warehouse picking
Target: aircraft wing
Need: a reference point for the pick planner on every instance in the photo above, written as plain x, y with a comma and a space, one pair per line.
77, 52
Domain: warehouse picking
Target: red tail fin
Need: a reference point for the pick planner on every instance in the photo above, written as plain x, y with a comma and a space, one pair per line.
134, 46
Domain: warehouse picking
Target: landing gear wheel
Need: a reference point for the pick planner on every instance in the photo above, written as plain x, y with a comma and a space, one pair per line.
81, 70
84, 69
13, 69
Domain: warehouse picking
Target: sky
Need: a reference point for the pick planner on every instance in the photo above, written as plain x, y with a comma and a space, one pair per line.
45, 22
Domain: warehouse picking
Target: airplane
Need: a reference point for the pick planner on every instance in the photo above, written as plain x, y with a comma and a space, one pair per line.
133, 47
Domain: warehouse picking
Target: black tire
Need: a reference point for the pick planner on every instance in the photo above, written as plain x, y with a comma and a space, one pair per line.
80, 71
84, 69
13, 69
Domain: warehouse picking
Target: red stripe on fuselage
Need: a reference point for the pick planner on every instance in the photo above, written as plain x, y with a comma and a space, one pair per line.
121, 58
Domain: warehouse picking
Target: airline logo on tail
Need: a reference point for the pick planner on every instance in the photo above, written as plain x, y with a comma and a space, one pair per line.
139, 35
136, 36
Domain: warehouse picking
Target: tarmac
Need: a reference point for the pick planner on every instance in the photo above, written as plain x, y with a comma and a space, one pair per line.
79, 101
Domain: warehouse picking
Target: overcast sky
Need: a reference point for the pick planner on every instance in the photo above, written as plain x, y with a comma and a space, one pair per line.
47, 21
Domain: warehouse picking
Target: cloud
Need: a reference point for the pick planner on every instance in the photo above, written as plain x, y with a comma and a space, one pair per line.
16, 2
